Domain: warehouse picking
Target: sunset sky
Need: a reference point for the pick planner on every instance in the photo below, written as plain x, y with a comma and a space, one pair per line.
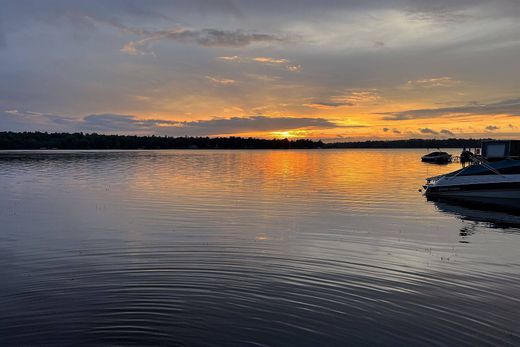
333, 70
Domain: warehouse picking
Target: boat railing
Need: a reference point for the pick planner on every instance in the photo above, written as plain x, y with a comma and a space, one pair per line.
477, 160
474, 160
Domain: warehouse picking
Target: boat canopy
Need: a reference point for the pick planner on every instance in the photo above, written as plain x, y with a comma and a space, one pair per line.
505, 167
434, 154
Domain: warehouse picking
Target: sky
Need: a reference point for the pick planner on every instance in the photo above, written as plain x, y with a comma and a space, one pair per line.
332, 70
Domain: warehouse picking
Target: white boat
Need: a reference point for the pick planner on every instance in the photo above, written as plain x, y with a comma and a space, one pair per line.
483, 180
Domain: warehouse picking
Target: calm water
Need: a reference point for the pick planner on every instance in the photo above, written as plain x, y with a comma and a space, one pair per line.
248, 248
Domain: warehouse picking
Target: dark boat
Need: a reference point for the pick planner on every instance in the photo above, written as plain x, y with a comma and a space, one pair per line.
437, 158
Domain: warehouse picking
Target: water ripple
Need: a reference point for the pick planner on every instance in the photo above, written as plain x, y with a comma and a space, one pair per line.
240, 248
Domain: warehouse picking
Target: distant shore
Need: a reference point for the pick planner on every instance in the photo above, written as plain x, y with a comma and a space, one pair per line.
42, 140
411, 143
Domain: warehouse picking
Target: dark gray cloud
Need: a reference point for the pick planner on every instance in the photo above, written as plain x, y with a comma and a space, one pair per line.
215, 37
209, 37
394, 130
251, 124
428, 131
15, 120
114, 123
508, 107
203, 37
492, 128
447, 132
328, 104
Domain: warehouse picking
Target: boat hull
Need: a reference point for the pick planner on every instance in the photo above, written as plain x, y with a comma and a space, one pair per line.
477, 186
510, 206
509, 194
436, 160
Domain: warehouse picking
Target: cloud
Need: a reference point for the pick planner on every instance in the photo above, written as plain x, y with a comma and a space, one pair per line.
254, 123
202, 37
221, 81
136, 48
327, 105
215, 37
117, 123
358, 97
287, 64
447, 132
207, 37
394, 130
263, 78
434, 82
492, 128
339, 54
444, 12
15, 120
270, 60
428, 131
230, 58
351, 99
294, 68
508, 107
278, 61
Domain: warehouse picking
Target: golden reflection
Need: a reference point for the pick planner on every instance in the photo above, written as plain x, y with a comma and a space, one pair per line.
244, 176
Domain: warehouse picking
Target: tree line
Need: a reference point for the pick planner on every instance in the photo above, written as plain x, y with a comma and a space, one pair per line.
44, 140
412, 143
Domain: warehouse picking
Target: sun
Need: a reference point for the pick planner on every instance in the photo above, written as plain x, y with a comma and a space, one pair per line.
289, 134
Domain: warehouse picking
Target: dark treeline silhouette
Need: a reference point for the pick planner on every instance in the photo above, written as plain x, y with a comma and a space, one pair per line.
41, 140
411, 143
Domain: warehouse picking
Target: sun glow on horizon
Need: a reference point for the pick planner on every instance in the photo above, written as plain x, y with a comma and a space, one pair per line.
290, 134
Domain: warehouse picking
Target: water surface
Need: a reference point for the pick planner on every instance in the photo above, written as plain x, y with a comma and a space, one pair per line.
248, 248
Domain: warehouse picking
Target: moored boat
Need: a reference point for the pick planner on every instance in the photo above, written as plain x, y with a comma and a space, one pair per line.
496, 180
437, 157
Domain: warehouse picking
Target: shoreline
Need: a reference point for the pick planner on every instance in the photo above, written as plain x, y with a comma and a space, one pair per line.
82, 141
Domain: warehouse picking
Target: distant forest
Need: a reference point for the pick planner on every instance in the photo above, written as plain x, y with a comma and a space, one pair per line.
412, 143
41, 140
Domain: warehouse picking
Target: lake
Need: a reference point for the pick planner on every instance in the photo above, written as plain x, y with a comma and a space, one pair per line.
248, 248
